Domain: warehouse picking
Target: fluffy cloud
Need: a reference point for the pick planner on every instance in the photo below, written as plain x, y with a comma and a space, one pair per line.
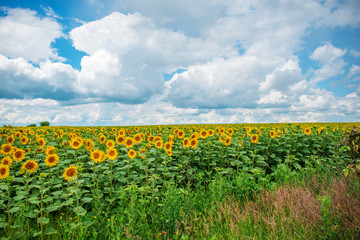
23, 34
330, 60
20, 79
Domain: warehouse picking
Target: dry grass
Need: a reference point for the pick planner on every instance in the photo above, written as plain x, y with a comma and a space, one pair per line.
287, 209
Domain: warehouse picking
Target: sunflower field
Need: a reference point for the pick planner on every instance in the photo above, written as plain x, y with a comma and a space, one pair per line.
170, 181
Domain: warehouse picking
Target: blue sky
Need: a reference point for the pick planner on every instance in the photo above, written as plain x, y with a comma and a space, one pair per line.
138, 62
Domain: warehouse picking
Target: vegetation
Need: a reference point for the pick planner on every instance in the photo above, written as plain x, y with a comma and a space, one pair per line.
241, 181
44, 123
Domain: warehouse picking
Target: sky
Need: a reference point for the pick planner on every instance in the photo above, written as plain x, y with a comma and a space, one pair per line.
141, 62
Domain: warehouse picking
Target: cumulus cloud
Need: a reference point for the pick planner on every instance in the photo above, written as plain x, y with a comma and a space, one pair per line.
331, 62
24, 34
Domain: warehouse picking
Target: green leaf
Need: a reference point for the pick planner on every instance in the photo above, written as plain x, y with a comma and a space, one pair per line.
51, 231
87, 199
37, 233
43, 220
53, 208
14, 209
3, 224
80, 211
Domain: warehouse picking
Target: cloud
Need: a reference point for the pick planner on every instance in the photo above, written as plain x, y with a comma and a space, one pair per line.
20, 79
24, 34
331, 62
221, 83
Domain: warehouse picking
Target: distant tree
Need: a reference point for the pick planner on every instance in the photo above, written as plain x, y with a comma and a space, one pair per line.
32, 125
44, 123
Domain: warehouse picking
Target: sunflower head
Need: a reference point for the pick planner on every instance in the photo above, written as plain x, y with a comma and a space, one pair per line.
272, 134
129, 142
70, 173
18, 154
307, 131
97, 156
4, 171
132, 153
7, 149
29, 166
110, 144
186, 142
6, 161
51, 160
254, 138
112, 153
193, 143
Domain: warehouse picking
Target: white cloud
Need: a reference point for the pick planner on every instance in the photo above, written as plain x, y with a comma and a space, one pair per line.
23, 34
355, 53
331, 62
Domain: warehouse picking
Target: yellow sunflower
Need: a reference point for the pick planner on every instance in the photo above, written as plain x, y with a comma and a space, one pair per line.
30, 166
211, 132
97, 156
18, 155
227, 141
159, 143
50, 150
70, 173
120, 140
24, 140
203, 133
137, 138
76, 143
110, 144
10, 139
132, 153
181, 134
112, 153
7, 149
272, 134
129, 142
167, 146
193, 143
6, 161
41, 142
307, 131
186, 142
4, 171
51, 160
254, 138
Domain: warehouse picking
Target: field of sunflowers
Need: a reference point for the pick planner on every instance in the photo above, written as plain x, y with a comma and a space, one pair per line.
110, 182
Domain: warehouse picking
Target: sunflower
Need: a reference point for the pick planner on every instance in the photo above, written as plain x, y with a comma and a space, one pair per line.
167, 146
129, 142
186, 142
50, 150
193, 143
97, 156
181, 134
51, 160
240, 143
110, 144
18, 155
120, 140
169, 153
111, 153
272, 134
41, 142
29, 165
230, 131
211, 132
137, 138
24, 140
254, 138
307, 131
70, 173
203, 133
159, 143
121, 132
10, 139
76, 143
102, 139
7, 149
6, 161
17, 134
132, 153
227, 141
4, 171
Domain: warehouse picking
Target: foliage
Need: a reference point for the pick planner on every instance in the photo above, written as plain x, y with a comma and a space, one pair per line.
44, 123
76, 191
